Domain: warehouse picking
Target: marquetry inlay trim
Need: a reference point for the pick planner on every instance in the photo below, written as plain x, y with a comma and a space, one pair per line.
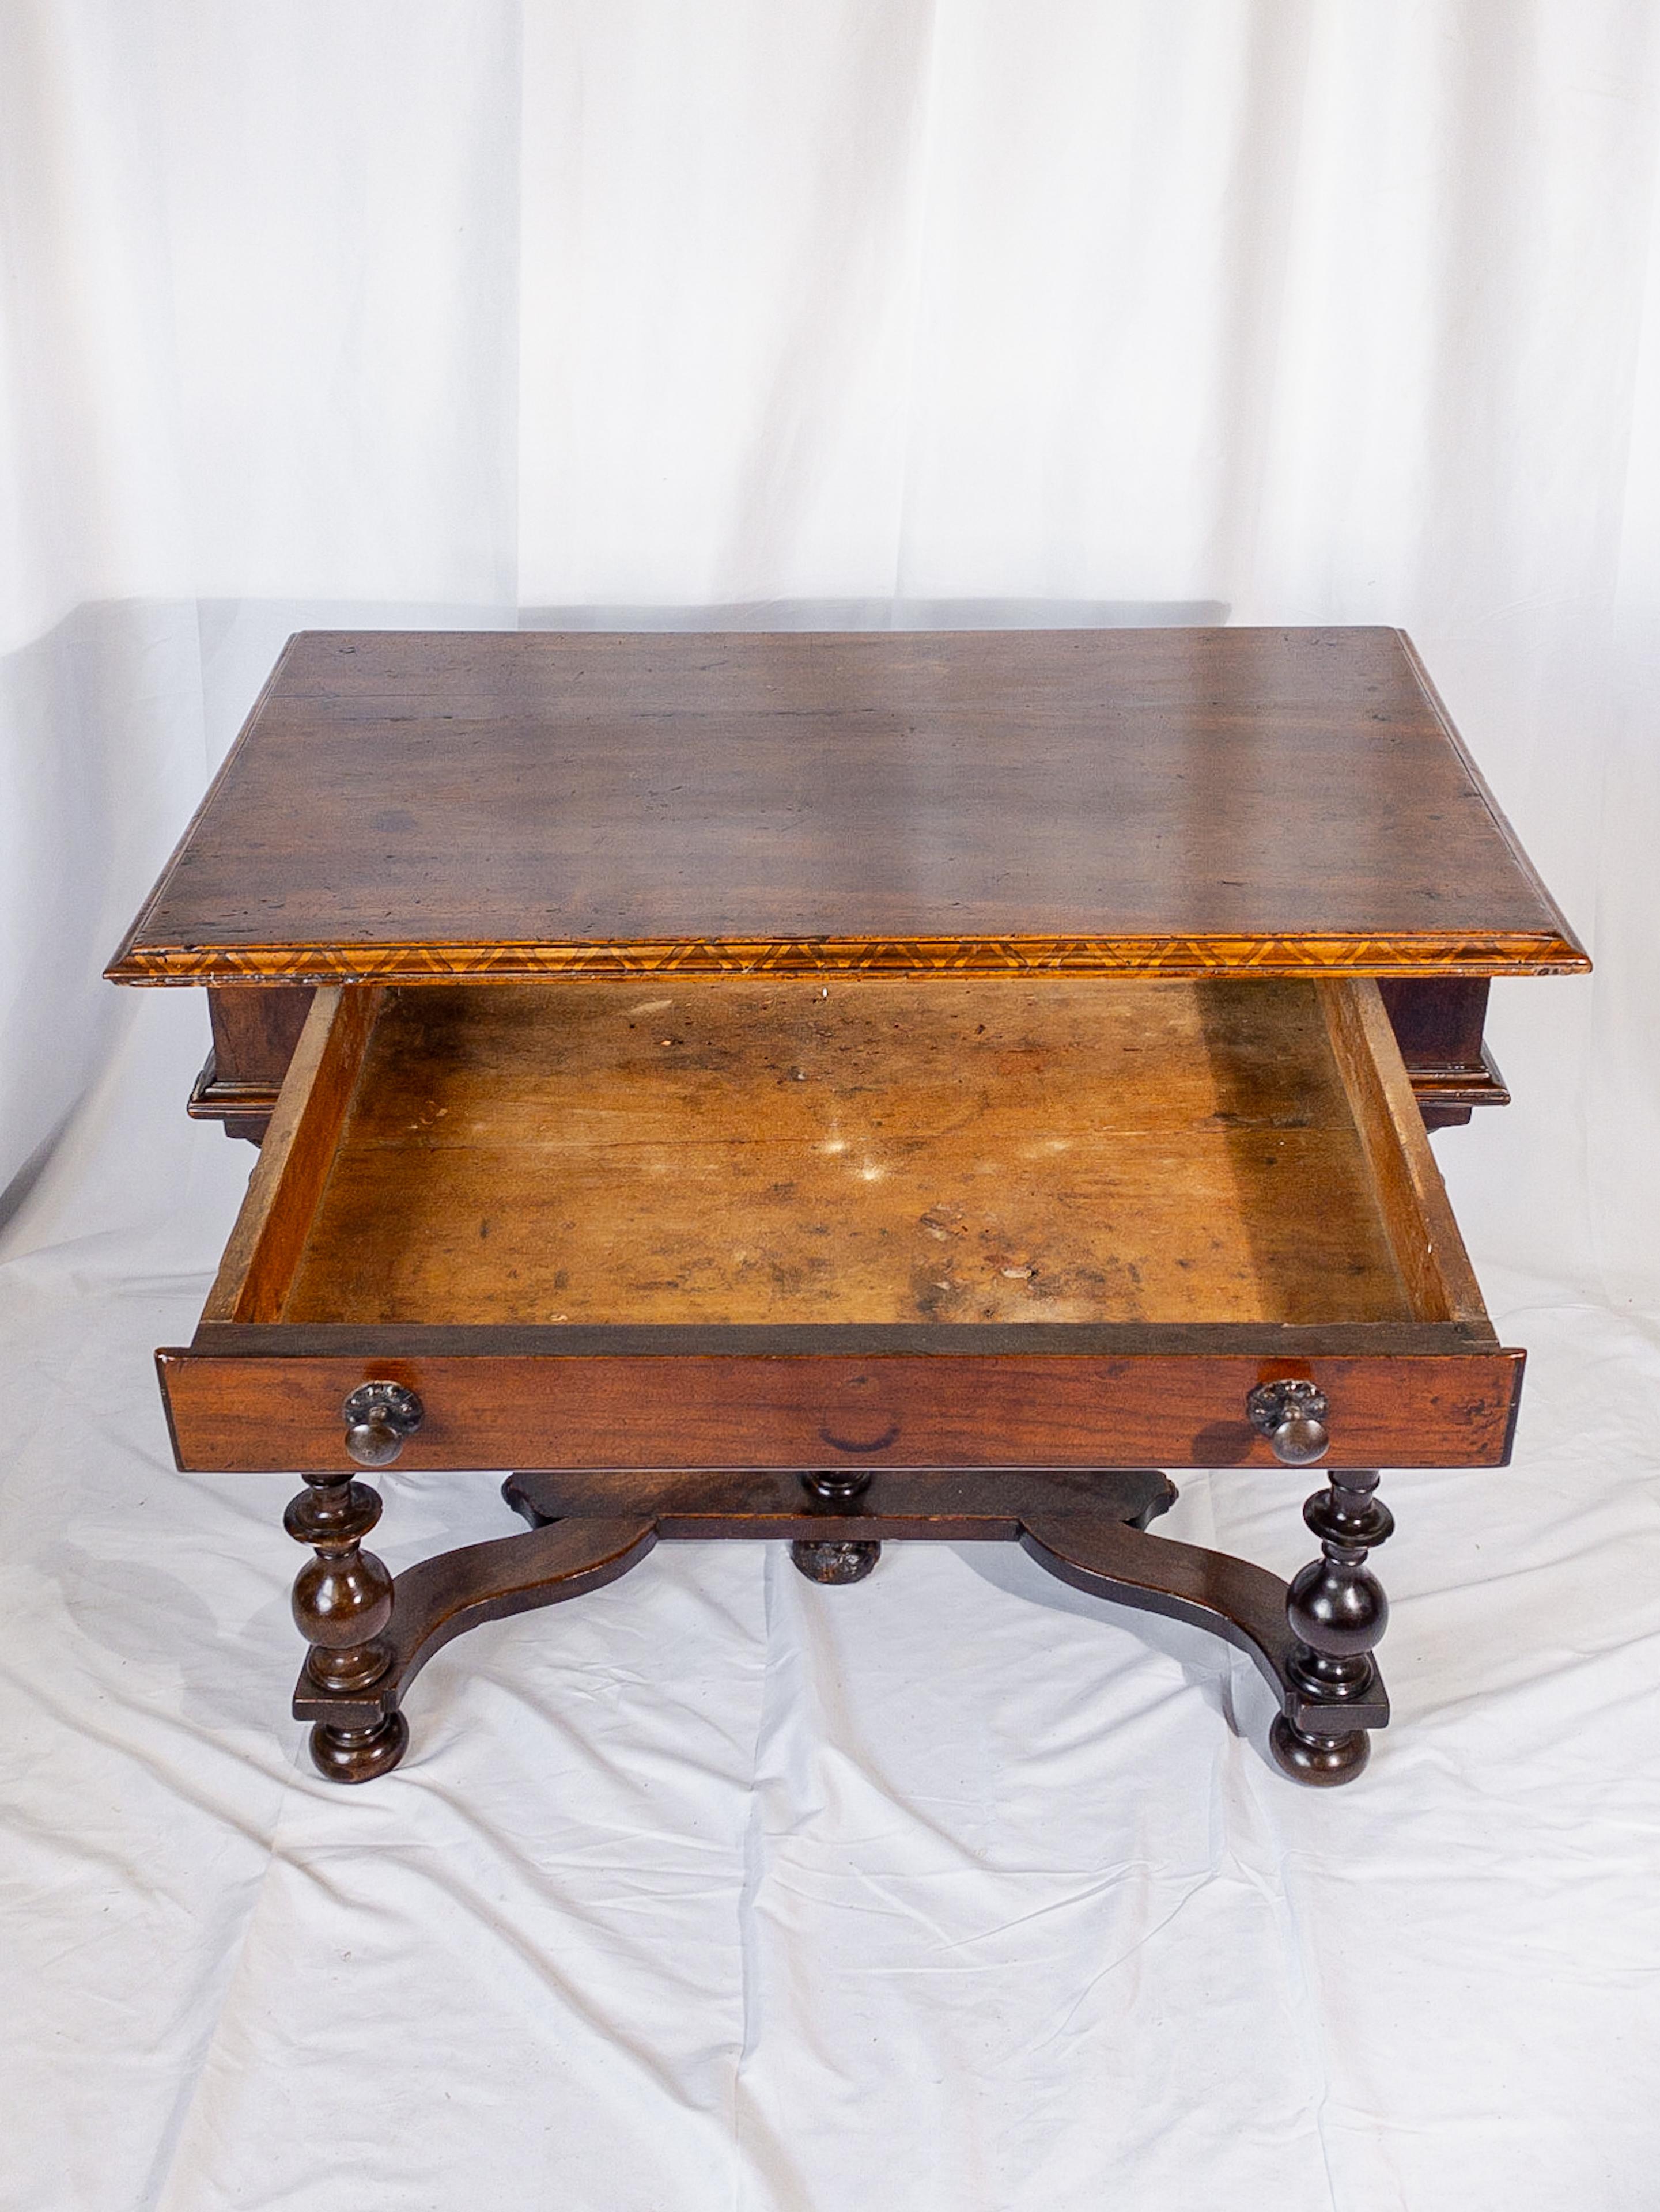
1514, 953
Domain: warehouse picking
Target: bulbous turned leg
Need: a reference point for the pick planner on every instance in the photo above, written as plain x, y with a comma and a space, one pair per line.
342, 1607
358, 1755
835, 1563
834, 1559
1338, 1613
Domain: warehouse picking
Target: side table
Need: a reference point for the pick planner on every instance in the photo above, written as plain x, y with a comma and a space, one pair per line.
845, 1089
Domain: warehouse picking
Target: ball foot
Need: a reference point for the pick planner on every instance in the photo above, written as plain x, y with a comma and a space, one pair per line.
1321, 1762
358, 1755
835, 1563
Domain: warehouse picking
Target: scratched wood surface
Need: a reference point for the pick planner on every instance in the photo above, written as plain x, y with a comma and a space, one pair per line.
412, 806
749, 1150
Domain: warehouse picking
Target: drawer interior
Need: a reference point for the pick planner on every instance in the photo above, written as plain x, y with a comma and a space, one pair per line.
871, 1149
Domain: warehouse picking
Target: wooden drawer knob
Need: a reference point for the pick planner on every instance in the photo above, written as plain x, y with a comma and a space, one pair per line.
379, 1417
1292, 1415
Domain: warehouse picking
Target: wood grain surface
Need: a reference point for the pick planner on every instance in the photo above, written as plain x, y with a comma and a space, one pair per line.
1401, 1173
944, 1409
428, 807
871, 1150
296, 1161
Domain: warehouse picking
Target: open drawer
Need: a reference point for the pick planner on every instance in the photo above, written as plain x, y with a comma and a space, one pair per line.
940, 1222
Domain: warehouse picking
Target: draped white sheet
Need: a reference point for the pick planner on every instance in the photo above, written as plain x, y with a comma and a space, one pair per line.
713, 1889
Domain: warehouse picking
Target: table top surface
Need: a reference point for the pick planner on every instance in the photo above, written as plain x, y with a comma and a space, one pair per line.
417, 806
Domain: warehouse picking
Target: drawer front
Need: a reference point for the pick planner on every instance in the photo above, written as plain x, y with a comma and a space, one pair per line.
230, 1412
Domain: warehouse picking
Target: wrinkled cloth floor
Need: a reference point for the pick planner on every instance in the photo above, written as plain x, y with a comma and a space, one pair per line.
954, 1888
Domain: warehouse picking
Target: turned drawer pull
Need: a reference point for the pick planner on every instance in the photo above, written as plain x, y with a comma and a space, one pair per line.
1292, 1417
379, 1417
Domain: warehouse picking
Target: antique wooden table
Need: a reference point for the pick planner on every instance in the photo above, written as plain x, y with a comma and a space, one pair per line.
841, 1089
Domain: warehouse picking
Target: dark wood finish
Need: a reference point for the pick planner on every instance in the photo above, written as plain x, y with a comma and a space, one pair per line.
343, 1597
1132, 1339
1244, 1604
1087, 1528
834, 1563
438, 1600
231, 1413
1336, 1610
342, 1602
937, 1505
923, 1124
437, 807
1438, 1023
646, 1196
255, 1031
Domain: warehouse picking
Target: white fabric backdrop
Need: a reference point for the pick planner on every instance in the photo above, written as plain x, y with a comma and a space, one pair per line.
715, 1889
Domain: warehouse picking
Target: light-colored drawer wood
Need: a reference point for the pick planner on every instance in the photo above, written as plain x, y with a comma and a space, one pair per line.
930, 1222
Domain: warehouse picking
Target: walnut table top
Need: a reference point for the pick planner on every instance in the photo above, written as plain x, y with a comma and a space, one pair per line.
406, 807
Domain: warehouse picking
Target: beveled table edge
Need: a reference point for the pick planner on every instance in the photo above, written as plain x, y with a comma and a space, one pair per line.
1530, 952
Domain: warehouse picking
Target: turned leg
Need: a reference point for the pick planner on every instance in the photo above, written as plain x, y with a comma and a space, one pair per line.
835, 1561
1338, 1613
342, 1607
360, 1730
